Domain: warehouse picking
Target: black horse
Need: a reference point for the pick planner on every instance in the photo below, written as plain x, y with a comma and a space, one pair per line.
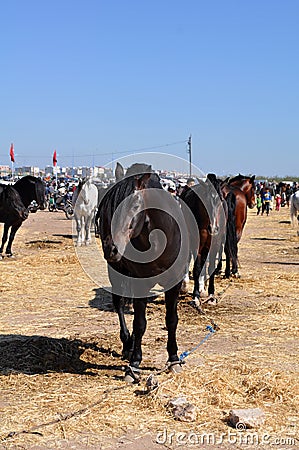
145, 242
19, 197
12, 214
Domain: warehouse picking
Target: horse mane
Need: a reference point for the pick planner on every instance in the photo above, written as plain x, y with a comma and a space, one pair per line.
216, 182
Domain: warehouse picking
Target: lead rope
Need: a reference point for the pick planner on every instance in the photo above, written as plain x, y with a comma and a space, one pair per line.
152, 383
212, 330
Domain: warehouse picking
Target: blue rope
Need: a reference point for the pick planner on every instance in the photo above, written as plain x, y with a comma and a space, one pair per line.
188, 352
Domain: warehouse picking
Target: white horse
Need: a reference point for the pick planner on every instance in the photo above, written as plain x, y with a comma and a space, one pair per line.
294, 208
85, 200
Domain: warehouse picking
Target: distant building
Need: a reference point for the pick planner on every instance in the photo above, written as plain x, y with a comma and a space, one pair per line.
5, 171
49, 170
27, 170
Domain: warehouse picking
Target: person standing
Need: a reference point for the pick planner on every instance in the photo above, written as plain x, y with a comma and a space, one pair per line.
258, 204
277, 202
267, 201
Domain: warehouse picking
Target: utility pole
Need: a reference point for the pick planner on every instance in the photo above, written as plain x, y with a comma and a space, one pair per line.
190, 156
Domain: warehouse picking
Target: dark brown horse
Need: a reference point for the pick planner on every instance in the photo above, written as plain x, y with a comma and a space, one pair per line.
206, 203
143, 234
240, 194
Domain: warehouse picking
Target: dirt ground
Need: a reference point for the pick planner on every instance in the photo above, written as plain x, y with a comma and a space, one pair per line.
60, 366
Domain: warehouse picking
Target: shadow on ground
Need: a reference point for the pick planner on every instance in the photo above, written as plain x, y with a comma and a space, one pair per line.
103, 301
42, 354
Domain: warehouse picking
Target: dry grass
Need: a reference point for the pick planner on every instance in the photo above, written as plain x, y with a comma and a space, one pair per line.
60, 359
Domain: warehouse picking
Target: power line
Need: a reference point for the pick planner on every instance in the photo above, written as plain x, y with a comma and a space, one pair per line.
105, 153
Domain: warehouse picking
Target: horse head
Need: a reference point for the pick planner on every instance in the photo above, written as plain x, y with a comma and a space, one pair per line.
250, 192
31, 188
40, 193
247, 186
123, 222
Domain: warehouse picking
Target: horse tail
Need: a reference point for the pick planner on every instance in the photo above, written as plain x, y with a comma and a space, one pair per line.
293, 210
231, 242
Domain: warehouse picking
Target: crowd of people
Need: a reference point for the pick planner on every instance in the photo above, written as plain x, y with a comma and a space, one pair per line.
60, 192
270, 195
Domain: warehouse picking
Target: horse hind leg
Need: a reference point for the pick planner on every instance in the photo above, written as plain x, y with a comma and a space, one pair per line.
211, 299
185, 284
87, 227
13, 231
4, 239
199, 284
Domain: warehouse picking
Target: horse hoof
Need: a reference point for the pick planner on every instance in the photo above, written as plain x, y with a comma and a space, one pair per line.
175, 367
236, 275
87, 242
132, 375
129, 379
212, 301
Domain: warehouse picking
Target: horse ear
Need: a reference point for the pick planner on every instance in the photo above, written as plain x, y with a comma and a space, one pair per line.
252, 178
119, 172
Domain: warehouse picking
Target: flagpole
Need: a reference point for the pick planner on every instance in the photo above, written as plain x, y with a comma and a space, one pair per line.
12, 159
55, 166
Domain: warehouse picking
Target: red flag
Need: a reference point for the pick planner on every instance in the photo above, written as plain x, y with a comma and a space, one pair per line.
12, 153
54, 158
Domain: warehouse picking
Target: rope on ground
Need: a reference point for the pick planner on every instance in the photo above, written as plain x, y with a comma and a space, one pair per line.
64, 417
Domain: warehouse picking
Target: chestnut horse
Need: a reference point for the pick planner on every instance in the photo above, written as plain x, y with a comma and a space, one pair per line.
242, 190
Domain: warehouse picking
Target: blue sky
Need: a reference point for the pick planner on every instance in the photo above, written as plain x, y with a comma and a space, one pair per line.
100, 79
